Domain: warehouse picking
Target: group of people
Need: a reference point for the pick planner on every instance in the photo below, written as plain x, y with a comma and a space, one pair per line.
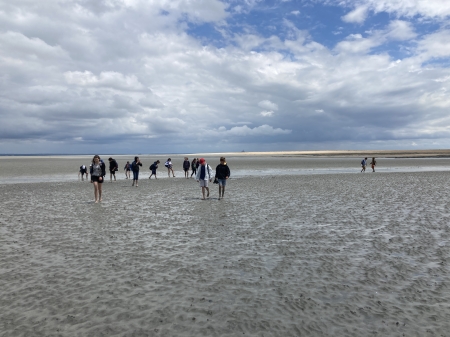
364, 164
202, 170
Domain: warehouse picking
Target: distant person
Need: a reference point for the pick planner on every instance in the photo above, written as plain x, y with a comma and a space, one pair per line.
113, 167
98, 172
127, 170
186, 166
135, 168
169, 166
83, 171
222, 174
194, 167
363, 164
197, 163
204, 174
373, 163
153, 168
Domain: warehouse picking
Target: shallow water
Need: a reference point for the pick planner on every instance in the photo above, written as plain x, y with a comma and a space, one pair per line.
65, 168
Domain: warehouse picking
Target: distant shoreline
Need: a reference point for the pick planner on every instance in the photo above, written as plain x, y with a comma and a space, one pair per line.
325, 153
345, 153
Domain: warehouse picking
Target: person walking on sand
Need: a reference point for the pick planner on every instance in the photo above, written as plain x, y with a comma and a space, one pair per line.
153, 168
135, 168
98, 172
222, 174
169, 166
113, 167
83, 171
363, 164
373, 163
204, 175
194, 167
127, 170
186, 166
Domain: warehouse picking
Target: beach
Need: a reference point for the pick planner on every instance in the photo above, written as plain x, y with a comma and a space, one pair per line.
330, 254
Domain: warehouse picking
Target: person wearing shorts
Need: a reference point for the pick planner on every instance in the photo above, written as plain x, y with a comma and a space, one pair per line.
222, 174
98, 172
113, 167
204, 175
169, 166
153, 168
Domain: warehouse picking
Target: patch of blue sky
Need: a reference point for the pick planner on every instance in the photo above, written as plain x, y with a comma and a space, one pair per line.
208, 34
437, 62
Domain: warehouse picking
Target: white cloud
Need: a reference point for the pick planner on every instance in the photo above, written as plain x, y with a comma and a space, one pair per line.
263, 130
268, 105
435, 9
266, 113
358, 15
100, 73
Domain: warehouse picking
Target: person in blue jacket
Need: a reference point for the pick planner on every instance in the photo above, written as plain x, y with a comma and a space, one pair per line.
135, 168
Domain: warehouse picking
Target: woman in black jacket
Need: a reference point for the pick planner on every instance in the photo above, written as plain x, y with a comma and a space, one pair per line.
222, 174
98, 173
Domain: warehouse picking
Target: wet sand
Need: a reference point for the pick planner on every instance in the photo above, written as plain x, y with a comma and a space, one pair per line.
329, 255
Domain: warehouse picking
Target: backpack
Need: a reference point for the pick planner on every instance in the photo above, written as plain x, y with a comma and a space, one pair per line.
152, 166
362, 162
133, 166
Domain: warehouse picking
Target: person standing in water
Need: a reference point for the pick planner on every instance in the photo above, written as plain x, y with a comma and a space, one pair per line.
169, 166
186, 166
153, 168
204, 175
98, 172
113, 167
135, 168
127, 170
373, 163
363, 164
222, 174
194, 167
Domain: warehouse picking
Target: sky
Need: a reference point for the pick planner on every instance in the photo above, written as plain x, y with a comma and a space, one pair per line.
188, 76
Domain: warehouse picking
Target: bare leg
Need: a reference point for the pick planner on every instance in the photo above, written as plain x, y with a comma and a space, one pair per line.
207, 188
99, 192
220, 191
223, 190
203, 193
96, 191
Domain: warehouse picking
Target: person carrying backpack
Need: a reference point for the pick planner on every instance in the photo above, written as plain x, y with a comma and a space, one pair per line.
135, 168
153, 168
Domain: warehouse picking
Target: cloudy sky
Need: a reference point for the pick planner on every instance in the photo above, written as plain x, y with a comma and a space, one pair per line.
181, 76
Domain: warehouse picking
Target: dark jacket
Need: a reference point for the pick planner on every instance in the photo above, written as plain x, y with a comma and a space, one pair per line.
113, 166
222, 171
135, 166
186, 164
